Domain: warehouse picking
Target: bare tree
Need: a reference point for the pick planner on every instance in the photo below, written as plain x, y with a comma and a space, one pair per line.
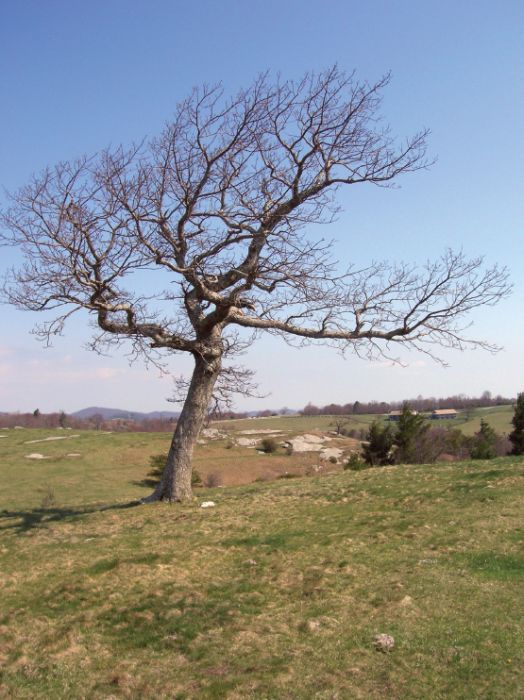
340, 423
219, 206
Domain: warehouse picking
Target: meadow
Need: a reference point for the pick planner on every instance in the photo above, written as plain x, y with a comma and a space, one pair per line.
276, 592
499, 417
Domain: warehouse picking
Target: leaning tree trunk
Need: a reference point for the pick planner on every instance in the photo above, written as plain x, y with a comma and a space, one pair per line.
175, 484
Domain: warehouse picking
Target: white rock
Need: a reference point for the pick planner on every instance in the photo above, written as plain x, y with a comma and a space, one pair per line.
383, 642
208, 504
328, 452
307, 443
314, 625
406, 601
35, 455
246, 442
212, 434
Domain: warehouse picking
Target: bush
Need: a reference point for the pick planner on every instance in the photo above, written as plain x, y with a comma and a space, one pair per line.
517, 434
48, 498
157, 463
269, 445
355, 463
409, 437
196, 479
213, 480
377, 452
485, 442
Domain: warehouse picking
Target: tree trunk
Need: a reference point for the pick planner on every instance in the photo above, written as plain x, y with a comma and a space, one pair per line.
175, 485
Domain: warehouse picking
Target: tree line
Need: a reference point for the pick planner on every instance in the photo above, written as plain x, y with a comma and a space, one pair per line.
60, 419
420, 404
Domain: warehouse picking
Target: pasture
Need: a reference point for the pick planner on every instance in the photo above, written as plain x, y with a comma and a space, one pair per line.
276, 592
499, 417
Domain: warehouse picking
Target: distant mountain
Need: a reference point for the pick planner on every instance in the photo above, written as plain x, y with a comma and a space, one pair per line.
110, 413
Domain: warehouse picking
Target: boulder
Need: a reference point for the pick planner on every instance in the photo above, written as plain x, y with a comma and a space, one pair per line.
247, 442
383, 642
307, 443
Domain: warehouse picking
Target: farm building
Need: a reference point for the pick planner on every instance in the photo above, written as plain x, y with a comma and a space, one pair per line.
395, 415
443, 414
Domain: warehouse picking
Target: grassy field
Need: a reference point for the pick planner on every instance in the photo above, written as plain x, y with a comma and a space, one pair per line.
276, 592
116, 464
499, 417
297, 424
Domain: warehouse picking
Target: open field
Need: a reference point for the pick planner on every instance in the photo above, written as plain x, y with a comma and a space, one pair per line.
116, 464
297, 424
499, 417
274, 593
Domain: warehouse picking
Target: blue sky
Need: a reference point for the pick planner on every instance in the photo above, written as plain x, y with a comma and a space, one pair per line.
76, 77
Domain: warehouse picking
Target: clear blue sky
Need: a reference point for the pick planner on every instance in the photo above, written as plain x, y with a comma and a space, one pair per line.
76, 77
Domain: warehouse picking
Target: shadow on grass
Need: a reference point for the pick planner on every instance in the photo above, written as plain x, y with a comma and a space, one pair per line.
148, 482
24, 520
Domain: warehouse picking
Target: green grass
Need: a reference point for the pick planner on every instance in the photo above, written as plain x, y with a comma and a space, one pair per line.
274, 593
499, 417
296, 424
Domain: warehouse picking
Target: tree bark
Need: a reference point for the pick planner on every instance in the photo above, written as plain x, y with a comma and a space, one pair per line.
175, 485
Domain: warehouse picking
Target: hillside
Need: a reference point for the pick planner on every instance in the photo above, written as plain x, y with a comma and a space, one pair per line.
276, 592
109, 413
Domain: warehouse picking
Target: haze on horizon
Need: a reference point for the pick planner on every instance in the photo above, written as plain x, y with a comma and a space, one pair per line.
78, 78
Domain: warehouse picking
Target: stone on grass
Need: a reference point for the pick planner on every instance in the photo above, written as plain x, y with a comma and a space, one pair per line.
246, 442
35, 455
328, 452
212, 434
314, 625
383, 642
307, 443
208, 504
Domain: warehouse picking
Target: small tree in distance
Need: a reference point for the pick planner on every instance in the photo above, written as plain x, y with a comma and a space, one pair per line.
410, 428
377, 451
517, 434
340, 423
485, 442
200, 239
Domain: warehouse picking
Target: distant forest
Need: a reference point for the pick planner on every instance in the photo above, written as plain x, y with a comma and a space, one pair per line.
143, 423
420, 404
